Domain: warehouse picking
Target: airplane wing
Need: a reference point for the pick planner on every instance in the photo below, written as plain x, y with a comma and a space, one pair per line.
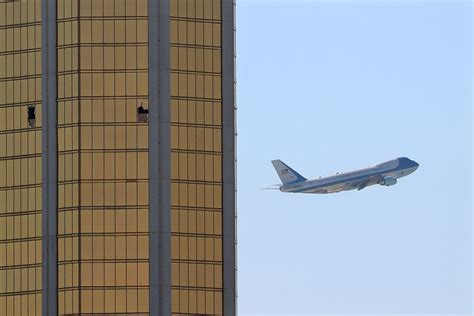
365, 183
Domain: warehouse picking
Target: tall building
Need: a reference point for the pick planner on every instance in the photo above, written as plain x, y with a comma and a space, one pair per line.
117, 157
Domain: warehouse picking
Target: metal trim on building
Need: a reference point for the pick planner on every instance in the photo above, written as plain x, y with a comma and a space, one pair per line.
159, 156
229, 156
49, 154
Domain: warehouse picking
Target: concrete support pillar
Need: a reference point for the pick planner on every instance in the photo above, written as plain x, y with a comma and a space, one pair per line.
49, 147
229, 156
159, 156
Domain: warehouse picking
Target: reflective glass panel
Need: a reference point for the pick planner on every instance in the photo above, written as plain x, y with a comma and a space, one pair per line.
20, 158
196, 157
103, 157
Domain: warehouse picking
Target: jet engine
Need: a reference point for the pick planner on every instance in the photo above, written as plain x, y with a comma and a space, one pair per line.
387, 181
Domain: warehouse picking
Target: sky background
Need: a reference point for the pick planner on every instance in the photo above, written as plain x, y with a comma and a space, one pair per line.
331, 86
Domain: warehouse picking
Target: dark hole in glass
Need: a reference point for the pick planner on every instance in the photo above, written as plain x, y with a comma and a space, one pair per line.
31, 115
142, 114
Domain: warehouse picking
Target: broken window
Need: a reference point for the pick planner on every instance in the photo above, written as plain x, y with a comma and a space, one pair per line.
31, 115
142, 114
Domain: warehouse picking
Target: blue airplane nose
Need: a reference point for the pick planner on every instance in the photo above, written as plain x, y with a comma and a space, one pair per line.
408, 163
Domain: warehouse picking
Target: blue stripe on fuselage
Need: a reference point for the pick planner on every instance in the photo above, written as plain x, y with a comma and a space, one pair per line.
404, 164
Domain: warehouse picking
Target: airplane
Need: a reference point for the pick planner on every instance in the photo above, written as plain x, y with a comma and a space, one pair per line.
385, 173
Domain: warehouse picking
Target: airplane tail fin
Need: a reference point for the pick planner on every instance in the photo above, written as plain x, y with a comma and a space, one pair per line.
286, 174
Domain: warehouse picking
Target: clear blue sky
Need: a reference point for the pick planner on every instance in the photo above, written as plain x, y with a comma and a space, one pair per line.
329, 86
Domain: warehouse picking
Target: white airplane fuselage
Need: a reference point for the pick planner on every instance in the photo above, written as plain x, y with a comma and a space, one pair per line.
385, 173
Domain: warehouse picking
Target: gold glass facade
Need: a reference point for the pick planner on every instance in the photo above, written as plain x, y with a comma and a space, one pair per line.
103, 227
68, 159
20, 158
102, 157
196, 157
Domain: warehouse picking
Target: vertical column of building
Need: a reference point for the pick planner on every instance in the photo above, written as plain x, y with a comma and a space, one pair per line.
49, 147
229, 135
196, 157
113, 157
20, 159
159, 162
68, 157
